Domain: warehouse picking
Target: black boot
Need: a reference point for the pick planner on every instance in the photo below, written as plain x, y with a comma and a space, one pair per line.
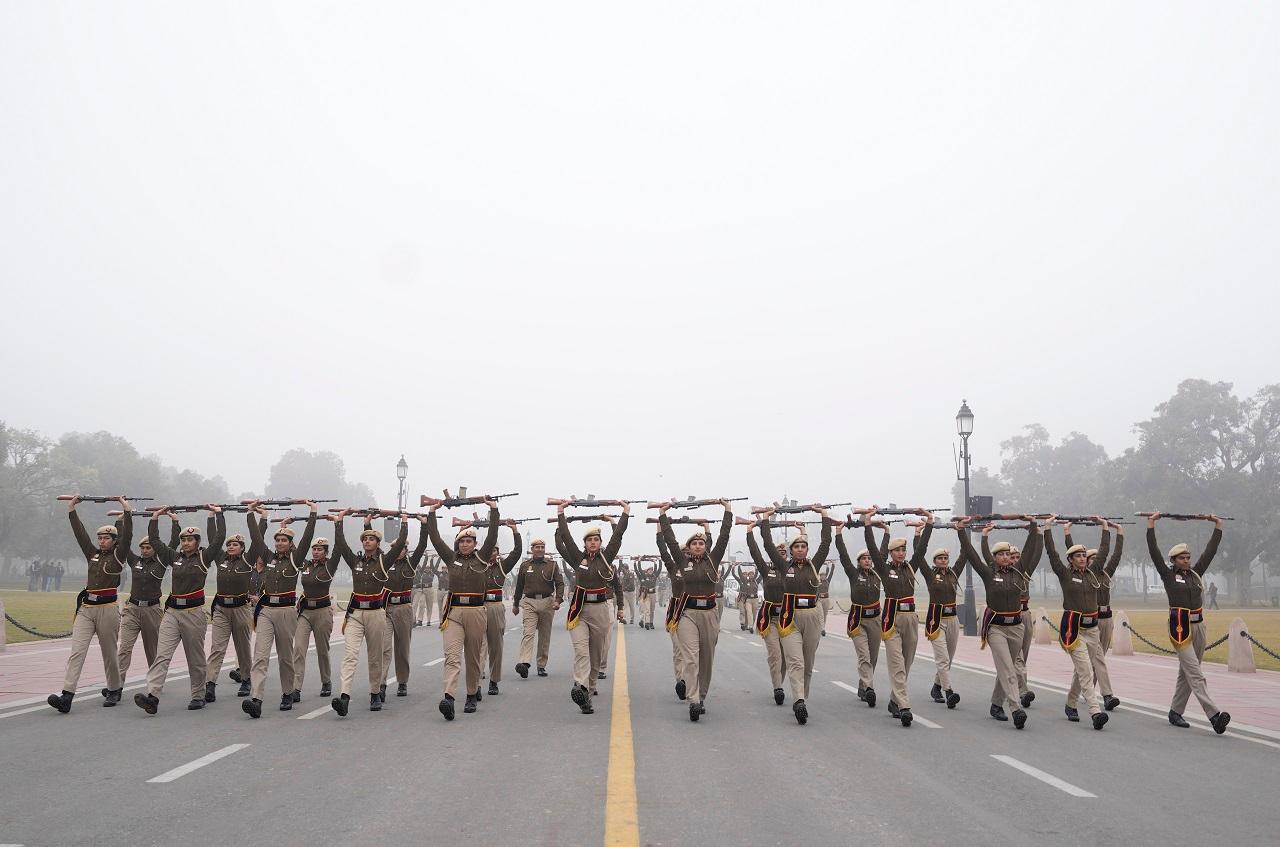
582, 698
1019, 718
871, 697
196, 704
148, 703
779, 697
477, 695
1220, 722
801, 712
113, 696
862, 694
997, 712
1100, 720
904, 715
681, 690
600, 674
936, 693
286, 702
542, 671
402, 690
470, 706
210, 695
296, 696
244, 689
1027, 699
1110, 701
953, 699
326, 690
382, 693
894, 709
61, 702
1072, 715
446, 707
375, 702
341, 704
252, 707
695, 712
493, 688
104, 692
234, 673
523, 669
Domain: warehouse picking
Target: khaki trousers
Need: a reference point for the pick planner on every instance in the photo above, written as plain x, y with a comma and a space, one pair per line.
396, 641
185, 626
629, 598
663, 594
608, 634
230, 624
431, 603
419, 605
677, 658
275, 627
791, 651
699, 630
809, 629
1082, 680
773, 654
590, 640
944, 650
1098, 663
866, 643
317, 623
463, 639
134, 621
824, 603
495, 629
104, 622
1190, 677
647, 605
1106, 629
441, 597
901, 650
370, 627
1020, 661
1006, 651
538, 616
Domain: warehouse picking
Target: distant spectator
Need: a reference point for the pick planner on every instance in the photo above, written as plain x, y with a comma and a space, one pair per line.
46, 575
1212, 594
58, 571
33, 574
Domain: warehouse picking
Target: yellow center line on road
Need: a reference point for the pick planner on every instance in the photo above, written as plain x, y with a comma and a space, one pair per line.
621, 823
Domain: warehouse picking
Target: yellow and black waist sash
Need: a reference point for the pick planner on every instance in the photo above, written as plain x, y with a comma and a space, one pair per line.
853, 626
703, 602
1180, 621
933, 618
790, 604
581, 597
889, 617
990, 618
767, 611
1070, 625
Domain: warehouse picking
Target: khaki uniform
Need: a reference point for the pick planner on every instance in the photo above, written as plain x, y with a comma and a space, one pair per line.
539, 589
496, 609
943, 584
97, 612
1080, 602
400, 616
629, 593
668, 563
275, 616
424, 594
1185, 591
140, 616
442, 589
748, 596
1002, 628
232, 616
864, 598
315, 620
1021, 572
590, 621
902, 635
1104, 569
366, 620
465, 621
647, 595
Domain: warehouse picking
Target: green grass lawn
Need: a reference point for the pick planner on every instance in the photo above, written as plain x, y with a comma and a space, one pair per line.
47, 611
1262, 625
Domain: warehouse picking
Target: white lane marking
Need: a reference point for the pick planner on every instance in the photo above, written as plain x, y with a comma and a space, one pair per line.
317, 713
1047, 778
25, 711
925, 722
196, 764
434, 662
16, 655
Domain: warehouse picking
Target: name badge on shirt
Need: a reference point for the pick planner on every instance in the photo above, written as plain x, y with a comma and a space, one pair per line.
1179, 579
1076, 579
997, 579
585, 568
892, 572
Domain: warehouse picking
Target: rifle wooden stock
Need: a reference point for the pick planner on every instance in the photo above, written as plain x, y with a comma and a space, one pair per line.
695, 504
103, 498
455, 502
1181, 517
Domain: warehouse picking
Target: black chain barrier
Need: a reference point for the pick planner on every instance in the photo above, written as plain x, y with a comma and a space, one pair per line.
1149, 642
1220, 641
1260, 645
1056, 631
37, 633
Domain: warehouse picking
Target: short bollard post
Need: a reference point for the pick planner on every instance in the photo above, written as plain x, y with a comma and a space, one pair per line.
1239, 649
1042, 633
1121, 637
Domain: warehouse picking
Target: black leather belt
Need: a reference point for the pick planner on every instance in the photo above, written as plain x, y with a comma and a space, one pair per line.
310, 603
588, 597
1196, 617
492, 596
906, 605
188, 602
700, 603
806, 602
536, 596
1104, 612
1088, 621
230, 601
279, 601
400, 598
365, 605
144, 603
949, 610
1006, 620
467, 600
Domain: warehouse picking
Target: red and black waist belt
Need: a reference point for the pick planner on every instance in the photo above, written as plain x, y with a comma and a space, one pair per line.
493, 595
804, 601
1104, 612
306, 604
456, 599
365, 602
230, 601
276, 601
399, 598
99, 596
537, 596
1005, 618
185, 601
594, 595
144, 602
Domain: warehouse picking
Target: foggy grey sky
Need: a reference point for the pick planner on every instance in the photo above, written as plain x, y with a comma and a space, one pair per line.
714, 248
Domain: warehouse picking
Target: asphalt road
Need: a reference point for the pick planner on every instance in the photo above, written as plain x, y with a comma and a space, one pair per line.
528, 768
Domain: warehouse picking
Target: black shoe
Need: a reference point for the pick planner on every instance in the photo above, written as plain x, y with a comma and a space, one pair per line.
446, 707
286, 702
801, 712
595, 693
1019, 719
210, 695
1100, 720
493, 688
936, 693
1177, 720
61, 702
252, 707
1110, 701
579, 695
402, 690
997, 712
375, 702
779, 697
326, 690
148, 703
477, 694
417, 623
341, 704
1027, 699
862, 694
105, 691
523, 669
113, 696
894, 709
469, 707
695, 712
1072, 715
1220, 722
244, 690
296, 696
382, 693
195, 704
681, 690
824, 632
600, 675
235, 675
870, 697
905, 716
953, 699
542, 671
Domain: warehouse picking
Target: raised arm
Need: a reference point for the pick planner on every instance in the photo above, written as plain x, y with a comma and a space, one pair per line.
920, 546
1031, 550
445, 551
968, 554
754, 549
615, 539
842, 550
175, 532
770, 549
514, 556
565, 543
722, 541
124, 542
163, 551
1104, 546
257, 545
302, 549
415, 558
1114, 561
401, 542
1210, 550
1157, 558
1055, 561
669, 536
824, 546
340, 549
878, 555
87, 547
667, 562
